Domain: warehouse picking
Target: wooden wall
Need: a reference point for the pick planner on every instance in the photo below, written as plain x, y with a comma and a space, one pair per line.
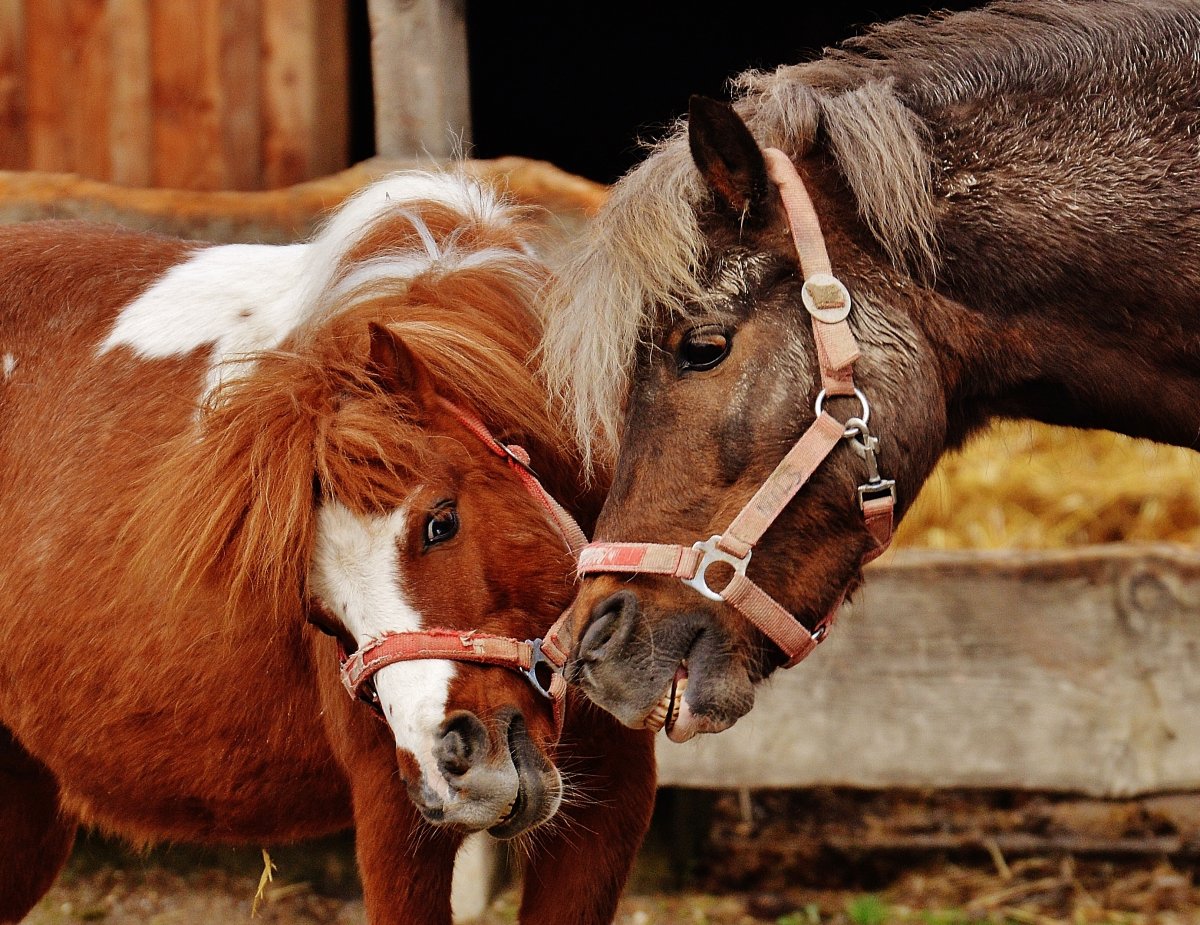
1073, 670
189, 94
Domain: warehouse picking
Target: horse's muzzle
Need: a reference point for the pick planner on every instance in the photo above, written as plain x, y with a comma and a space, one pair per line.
672, 669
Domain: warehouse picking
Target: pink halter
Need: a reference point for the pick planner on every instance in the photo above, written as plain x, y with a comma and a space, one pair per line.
525, 657
828, 303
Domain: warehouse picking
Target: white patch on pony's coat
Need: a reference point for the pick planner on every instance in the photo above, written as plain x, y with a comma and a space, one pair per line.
8, 364
355, 573
245, 298
239, 298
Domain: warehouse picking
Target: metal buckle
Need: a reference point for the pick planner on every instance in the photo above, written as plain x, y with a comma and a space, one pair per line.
869, 491
711, 555
865, 417
536, 660
867, 447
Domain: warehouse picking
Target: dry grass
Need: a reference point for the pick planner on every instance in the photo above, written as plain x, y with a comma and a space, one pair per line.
1031, 486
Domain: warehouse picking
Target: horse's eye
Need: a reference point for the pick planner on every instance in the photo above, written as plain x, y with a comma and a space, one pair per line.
440, 525
703, 348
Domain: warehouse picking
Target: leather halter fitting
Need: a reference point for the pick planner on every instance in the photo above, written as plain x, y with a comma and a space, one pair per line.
523, 656
828, 304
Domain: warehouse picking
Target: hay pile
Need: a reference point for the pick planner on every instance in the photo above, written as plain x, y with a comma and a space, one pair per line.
1031, 486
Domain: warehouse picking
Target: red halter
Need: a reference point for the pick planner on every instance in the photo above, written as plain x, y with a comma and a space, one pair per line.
525, 657
828, 302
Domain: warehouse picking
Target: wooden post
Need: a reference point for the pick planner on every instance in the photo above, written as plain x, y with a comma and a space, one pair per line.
422, 93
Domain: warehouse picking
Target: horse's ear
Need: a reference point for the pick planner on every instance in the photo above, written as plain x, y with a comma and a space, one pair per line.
393, 366
727, 156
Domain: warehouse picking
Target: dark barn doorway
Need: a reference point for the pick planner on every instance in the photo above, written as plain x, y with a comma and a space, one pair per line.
580, 84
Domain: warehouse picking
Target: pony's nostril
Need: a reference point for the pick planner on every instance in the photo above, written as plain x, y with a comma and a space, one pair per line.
463, 744
612, 623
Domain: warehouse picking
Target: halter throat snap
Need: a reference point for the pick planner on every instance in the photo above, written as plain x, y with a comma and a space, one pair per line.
828, 303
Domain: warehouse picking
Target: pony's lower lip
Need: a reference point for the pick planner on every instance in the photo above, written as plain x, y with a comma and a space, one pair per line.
514, 809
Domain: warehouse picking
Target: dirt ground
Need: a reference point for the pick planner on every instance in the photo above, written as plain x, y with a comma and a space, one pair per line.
818, 858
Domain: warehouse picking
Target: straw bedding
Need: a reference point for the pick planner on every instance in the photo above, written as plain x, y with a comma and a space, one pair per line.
1031, 486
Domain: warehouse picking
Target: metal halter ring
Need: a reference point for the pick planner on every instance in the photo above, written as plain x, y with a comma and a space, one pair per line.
711, 556
865, 417
539, 660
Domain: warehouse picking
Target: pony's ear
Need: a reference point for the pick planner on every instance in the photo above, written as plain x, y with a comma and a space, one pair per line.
727, 156
393, 366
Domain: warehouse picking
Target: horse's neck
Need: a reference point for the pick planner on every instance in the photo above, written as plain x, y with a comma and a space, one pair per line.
1068, 233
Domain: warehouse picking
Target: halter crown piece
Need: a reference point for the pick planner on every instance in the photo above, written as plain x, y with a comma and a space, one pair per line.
524, 656
828, 304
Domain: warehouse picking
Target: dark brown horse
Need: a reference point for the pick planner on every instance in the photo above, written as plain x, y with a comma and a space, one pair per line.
204, 450
1011, 196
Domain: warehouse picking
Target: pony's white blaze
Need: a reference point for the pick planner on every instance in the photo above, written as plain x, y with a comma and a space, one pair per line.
356, 574
8, 365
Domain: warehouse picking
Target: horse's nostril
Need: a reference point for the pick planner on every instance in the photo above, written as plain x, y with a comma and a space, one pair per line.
612, 623
463, 744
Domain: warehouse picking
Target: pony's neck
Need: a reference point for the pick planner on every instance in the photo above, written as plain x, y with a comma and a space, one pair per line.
1069, 291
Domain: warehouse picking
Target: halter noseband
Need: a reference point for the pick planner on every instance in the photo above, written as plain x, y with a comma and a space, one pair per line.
523, 656
828, 303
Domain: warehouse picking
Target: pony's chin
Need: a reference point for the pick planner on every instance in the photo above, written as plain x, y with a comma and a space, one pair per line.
532, 807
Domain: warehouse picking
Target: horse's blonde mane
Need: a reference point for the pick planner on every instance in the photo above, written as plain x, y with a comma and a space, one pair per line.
639, 262
234, 499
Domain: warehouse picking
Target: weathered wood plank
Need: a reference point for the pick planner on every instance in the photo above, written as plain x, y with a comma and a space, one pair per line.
279, 215
422, 90
89, 87
287, 90
329, 140
14, 134
185, 49
48, 54
240, 81
1073, 670
130, 126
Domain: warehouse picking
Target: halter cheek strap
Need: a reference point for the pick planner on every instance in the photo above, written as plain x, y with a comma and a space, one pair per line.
828, 303
523, 656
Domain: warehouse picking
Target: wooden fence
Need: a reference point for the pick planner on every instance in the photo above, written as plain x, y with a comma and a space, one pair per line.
1075, 670
189, 94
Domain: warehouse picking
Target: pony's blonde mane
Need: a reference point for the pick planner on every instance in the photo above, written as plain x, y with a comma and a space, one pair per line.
233, 500
639, 263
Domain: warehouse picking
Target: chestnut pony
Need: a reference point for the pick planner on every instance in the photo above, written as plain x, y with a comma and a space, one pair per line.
204, 449
1010, 197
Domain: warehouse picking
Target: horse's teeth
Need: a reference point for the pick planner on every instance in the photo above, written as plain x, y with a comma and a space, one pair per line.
658, 716
677, 689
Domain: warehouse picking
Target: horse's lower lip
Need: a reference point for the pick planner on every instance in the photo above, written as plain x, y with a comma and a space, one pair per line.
685, 726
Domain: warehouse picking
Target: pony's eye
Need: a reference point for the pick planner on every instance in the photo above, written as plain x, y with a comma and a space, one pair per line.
440, 525
703, 348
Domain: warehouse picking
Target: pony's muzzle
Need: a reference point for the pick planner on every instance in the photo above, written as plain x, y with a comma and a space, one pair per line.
499, 781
